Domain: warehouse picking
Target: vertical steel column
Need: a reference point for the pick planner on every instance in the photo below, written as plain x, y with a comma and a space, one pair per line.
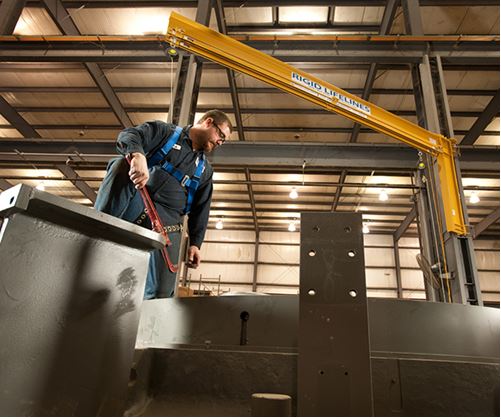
182, 110
188, 74
334, 370
256, 265
459, 253
396, 252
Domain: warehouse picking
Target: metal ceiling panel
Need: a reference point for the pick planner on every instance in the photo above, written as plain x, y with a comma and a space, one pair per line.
247, 15
45, 77
299, 121
35, 21
486, 140
125, 21
66, 118
144, 99
303, 14
357, 14
91, 100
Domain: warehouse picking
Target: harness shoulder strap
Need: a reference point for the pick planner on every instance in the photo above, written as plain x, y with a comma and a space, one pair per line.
160, 154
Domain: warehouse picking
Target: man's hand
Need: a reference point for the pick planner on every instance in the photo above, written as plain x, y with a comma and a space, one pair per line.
138, 172
193, 257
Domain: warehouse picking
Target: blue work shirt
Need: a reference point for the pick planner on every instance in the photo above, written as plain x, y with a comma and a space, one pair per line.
167, 193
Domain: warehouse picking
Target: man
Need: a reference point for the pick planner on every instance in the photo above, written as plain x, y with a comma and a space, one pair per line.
170, 162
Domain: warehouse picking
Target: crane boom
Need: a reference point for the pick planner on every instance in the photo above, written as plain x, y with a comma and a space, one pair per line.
195, 38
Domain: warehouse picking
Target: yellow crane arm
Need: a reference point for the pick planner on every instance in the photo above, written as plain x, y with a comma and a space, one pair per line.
195, 38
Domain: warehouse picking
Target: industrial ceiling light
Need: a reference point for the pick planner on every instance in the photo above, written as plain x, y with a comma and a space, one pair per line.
293, 194
474, 198
292, 226
365, 229
383, 196
219, 225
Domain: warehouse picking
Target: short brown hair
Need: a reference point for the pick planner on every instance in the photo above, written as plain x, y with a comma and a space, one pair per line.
218, 116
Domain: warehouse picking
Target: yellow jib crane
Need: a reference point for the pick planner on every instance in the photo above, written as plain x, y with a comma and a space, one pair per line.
195, 38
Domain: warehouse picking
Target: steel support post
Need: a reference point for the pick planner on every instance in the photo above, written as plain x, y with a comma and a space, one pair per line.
458, 263
334, 368
396, 252
256, 260
182, 110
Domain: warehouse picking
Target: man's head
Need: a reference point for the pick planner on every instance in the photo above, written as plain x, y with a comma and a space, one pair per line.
211, 131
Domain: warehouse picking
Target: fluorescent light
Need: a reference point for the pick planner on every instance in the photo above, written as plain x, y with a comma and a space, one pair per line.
219, 225
292, 226
365, 229
474, 198
40, 187
383, 196
293, 194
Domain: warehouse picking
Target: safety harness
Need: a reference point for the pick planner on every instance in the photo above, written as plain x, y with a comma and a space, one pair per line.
191, 184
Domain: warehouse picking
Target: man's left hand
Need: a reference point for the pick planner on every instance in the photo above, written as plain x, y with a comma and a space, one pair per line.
193, 257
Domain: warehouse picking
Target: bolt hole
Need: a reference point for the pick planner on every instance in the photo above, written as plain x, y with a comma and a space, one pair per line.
311, 292
321, 372
352, 293
351, 253
244, 315
346, 373
11, 200
316, 229
312, 253
347, 229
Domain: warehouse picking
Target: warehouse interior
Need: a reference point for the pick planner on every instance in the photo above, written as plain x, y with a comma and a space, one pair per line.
74, 73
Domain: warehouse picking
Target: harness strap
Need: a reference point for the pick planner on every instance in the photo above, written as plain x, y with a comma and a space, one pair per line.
191, 184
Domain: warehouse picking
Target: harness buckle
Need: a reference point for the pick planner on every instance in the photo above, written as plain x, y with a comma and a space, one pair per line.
185, 180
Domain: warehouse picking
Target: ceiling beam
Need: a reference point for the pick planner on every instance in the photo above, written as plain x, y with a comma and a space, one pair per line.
222, 89
80, 184
246, 154
480, 227
255, 3
4, 185
16, 120
405, 225
65, 23
252, 199
477, 129
10, 12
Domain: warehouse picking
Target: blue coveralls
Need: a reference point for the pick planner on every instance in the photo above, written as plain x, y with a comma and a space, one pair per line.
117, 195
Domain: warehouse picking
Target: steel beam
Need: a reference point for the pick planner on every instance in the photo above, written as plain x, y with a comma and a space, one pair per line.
10, 12
337, 196
396, 253
404, 225
5, 185
65, 23
80, 184
490, 112
340, 156
16, 120
221, 21
480, 227
413, 21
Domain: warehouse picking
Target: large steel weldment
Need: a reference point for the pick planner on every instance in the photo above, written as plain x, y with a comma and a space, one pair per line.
71, 286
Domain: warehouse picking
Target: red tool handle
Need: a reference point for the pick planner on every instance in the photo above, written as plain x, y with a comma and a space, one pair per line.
156, 224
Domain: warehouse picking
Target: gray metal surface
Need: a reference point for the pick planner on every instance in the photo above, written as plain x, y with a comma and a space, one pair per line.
72, 284
404, 328
334, 375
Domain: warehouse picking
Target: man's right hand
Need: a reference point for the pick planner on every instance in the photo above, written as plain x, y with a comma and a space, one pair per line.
138, 172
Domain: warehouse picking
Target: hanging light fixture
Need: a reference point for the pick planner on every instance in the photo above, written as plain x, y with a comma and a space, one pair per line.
293, 193
292, 226
365, 229
474, 198
383, 195
219, 225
